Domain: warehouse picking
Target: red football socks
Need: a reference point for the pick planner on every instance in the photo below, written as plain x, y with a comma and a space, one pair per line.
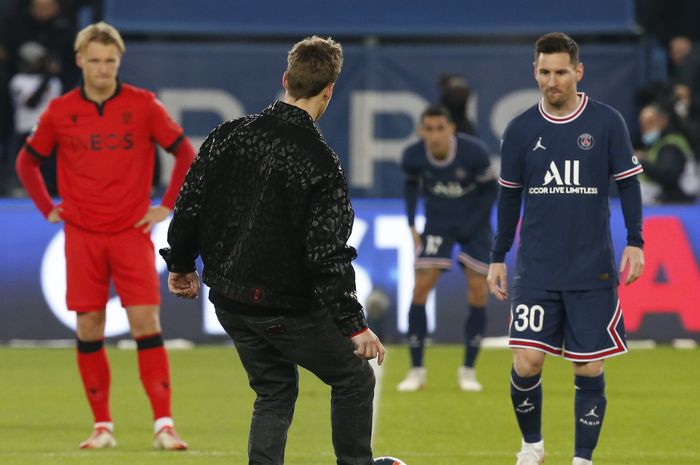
155, 373
94, 371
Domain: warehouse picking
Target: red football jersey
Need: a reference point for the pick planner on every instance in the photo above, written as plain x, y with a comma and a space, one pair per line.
105, 154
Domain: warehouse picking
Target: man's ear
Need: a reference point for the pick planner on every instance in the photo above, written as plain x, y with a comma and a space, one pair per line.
328, 91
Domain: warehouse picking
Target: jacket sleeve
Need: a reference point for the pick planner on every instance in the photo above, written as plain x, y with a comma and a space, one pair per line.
182, 232
327, 227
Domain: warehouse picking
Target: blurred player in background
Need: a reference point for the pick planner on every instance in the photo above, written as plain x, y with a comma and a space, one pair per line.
561, 154
105, 134
455, 174
266, 205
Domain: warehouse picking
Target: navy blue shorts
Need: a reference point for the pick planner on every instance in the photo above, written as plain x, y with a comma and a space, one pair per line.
437, 250
581, 326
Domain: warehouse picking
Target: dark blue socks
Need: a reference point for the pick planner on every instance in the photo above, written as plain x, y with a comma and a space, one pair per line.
474, 329
526, 394
417, 330
589, 408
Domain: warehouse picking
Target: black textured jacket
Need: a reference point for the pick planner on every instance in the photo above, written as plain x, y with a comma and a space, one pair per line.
265, 204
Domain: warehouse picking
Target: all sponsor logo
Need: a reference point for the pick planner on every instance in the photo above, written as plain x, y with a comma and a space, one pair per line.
569, 183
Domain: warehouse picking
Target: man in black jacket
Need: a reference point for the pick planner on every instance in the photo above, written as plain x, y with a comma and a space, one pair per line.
265, 204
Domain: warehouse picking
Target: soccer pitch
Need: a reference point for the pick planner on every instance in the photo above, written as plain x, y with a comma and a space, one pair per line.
653, 414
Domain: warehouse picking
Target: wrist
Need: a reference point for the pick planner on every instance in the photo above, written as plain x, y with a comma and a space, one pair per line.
359, 332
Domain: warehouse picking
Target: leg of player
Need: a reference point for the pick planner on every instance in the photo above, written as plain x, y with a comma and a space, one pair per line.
94, 372
155, 373
418, 328
589, 409
526, 395
474, 327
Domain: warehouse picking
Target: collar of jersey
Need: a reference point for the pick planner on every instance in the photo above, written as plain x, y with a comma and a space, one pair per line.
117, 90
450, 154
568, 118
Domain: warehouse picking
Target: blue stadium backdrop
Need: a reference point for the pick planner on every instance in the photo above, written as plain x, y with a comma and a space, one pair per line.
379, 96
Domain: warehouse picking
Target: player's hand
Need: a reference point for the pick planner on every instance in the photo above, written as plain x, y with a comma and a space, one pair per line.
498, 280
54, 216
368, 346
416, 238
634, 257
185, 285
153, 215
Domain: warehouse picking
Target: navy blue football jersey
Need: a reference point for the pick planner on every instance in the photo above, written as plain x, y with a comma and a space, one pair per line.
564, 166
450, 186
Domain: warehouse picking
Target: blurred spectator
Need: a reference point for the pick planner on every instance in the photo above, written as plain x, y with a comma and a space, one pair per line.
52, 24
675, 25
669, 165
41, 21
31, 90
454, 95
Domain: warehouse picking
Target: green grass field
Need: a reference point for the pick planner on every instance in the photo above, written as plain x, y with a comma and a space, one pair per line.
653, 412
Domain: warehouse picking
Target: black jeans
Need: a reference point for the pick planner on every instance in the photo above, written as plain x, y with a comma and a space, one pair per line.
270, 348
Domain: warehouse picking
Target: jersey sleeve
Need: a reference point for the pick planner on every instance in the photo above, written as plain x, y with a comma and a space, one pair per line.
511, 174
412, 172
409, 165
165, 130
484, 170
623, 162
43, 139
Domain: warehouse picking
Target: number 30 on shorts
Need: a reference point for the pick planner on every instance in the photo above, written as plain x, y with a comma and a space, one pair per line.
528, 317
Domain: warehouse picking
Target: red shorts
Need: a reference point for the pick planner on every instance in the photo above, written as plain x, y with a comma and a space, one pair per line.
127, 257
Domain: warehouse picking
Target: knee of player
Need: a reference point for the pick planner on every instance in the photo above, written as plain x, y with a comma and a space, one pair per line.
589, 369
527, 362
420, 293
478, 293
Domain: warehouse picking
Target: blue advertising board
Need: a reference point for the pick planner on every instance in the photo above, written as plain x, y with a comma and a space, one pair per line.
662, 305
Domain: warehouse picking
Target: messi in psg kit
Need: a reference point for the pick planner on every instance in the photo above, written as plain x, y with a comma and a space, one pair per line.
560, 156
563, 167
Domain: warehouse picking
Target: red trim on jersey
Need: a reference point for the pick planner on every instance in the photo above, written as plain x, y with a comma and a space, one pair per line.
530, 344
508, 184
630, 172
564, 119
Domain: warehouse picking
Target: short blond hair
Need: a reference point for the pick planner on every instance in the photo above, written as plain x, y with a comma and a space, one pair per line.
312, 64
99, 32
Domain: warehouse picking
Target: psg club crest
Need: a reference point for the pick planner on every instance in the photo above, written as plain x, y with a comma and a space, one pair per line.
585, 141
